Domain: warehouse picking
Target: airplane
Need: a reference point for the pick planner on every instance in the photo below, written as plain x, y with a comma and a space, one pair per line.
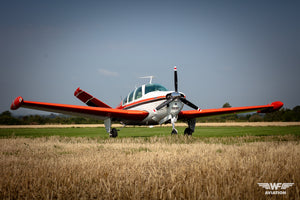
149, 104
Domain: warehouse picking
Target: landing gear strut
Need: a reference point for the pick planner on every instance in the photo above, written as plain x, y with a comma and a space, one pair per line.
112, 131
191, 127
173, 121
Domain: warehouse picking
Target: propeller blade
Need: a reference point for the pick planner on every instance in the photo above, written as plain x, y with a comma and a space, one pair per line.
175, 79
176, 95
164, 104
185, 101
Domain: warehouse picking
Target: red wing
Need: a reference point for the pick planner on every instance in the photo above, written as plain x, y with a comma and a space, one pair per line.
221, 111
85, 111
89, 99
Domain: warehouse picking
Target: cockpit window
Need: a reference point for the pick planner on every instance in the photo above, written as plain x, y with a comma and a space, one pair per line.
154, 87
138, 93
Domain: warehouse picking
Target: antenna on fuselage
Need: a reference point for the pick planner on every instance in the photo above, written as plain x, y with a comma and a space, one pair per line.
150, 77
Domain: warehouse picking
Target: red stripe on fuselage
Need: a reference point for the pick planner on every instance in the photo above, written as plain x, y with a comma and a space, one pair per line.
144, 101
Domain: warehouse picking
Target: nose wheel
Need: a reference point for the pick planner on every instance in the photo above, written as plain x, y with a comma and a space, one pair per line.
174, 132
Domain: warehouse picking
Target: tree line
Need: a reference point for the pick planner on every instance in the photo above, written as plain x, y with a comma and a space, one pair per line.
284, 115
6, 118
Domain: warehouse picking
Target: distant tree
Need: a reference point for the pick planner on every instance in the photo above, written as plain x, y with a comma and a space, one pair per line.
274, 116
287, 116
296, 111
284, 114
6, 113
232, 117
256, 118
226, 105
7, 119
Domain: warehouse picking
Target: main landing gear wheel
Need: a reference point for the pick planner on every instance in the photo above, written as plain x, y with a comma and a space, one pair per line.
188, 131
113, 133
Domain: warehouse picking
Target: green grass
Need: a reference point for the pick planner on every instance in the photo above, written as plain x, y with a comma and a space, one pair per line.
148, 132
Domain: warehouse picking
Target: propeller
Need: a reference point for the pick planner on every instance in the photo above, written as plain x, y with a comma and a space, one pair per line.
175, 79
176, 95
190, 104
164, 104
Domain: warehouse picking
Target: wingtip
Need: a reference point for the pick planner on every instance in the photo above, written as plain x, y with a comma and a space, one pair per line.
77, 91
277, 105
17, 103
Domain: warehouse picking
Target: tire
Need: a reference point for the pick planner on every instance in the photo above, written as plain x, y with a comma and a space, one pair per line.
188, 131
113, 133
174, 132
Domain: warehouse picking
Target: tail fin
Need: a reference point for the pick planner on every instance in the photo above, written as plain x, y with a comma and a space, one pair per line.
89, 99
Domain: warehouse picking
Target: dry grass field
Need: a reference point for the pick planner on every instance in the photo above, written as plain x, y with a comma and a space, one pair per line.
148, 168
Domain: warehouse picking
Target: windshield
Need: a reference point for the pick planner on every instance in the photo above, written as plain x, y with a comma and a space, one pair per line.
154, 87
138, 93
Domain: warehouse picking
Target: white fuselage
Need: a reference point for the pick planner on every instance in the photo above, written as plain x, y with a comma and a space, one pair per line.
143, 98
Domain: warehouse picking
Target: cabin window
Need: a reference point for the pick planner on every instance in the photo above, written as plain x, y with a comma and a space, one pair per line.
130, 98
125, 100
154, 87
138, 93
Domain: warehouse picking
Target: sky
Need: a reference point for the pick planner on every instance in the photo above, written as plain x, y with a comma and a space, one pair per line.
241, 52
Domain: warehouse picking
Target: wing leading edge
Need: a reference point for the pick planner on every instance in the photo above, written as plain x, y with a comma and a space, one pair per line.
189, 114
85, 111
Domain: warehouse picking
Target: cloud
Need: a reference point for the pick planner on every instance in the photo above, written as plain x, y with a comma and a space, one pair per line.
105, 72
